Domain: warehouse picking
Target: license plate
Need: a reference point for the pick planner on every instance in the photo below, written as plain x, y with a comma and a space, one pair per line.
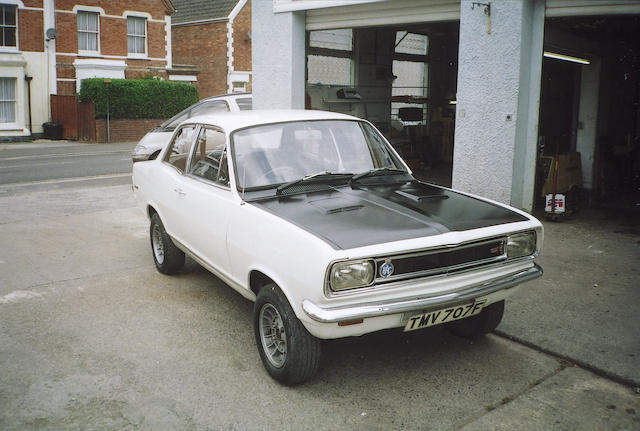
444, 315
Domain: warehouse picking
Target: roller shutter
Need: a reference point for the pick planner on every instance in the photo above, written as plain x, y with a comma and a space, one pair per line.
383, 13
559, 8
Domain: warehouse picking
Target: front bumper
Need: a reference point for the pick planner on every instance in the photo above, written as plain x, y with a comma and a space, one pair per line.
366, 310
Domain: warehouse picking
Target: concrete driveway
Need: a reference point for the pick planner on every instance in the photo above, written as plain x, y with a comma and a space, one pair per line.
92, 337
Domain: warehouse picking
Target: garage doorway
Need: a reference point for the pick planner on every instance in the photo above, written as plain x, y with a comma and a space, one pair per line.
590, 110
402, 78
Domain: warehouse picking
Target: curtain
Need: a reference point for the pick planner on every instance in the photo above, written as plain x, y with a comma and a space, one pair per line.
7, 100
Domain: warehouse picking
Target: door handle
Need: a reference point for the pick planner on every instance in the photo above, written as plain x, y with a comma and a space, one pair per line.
179, 192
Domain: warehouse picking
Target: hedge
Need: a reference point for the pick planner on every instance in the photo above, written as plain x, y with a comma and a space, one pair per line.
137, 98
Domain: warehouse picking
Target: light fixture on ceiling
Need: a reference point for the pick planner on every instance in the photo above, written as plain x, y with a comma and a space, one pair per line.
557, 56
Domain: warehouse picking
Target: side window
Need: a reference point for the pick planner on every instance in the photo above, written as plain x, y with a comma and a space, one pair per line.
209, 107
178, 152
210, 157
244, 103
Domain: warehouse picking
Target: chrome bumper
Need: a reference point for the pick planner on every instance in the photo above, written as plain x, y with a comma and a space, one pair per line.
361, 311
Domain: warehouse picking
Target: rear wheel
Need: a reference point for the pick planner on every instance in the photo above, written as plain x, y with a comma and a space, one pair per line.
168, 258
289, 353
479, 325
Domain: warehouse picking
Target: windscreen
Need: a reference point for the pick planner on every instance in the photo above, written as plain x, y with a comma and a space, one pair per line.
278, 153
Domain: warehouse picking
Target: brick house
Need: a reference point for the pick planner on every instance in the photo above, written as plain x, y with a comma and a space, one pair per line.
211, 43
48, 46
111, 39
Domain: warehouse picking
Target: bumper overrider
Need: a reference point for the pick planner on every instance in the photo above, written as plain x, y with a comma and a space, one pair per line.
376, 309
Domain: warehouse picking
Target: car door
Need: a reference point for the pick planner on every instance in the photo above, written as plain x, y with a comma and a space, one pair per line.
171, 188
209, 202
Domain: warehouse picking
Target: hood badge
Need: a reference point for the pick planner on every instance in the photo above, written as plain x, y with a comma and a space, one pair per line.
386, 269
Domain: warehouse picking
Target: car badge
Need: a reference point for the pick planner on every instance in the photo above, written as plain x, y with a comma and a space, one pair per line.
386, 269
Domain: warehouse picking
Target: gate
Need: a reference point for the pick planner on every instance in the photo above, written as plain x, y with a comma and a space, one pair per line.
86, 122
64, 110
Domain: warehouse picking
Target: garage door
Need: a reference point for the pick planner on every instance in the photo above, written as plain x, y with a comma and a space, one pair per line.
383, 13
559, 8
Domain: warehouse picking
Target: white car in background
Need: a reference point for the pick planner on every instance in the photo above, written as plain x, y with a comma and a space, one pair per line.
150, 145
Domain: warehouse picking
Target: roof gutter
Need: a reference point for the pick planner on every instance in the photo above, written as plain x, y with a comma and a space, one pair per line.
202, 21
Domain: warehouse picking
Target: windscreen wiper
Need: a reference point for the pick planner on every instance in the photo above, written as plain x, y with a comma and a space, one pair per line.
316, 176
377, 171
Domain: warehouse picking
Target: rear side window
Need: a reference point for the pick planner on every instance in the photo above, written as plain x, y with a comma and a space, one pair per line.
245, 103
178, 152
209, 107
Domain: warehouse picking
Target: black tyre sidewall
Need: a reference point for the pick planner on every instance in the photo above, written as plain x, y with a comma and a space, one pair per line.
303, 349
482, 324
173, 256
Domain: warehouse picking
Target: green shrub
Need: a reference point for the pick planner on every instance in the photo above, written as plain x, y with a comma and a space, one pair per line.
137, 98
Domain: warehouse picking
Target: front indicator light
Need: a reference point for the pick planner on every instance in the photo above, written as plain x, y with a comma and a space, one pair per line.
521, 244
351, 274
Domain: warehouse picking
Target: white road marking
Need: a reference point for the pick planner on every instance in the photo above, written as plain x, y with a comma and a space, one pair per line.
53, 156
19, 295
66, 180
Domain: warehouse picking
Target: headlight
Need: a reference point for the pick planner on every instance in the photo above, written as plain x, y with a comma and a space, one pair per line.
351, 274
521, 244
139, 149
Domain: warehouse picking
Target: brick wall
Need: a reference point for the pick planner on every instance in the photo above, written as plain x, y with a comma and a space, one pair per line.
31, 30
156, 8
241, 40
113, 38
205, 46
124, 130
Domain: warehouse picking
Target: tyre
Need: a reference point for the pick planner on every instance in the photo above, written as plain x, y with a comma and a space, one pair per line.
289, 353
479, 325
168, 258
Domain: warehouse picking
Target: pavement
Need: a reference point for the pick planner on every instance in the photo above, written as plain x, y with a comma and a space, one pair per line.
93, 337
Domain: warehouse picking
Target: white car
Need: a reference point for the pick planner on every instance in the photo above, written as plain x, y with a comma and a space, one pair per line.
315, 217
150, 145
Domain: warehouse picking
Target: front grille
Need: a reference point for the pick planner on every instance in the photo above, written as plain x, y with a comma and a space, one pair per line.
442, 261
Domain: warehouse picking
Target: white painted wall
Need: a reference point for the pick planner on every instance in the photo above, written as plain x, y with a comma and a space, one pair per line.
588, 119
498, 99
37, 64
98, 68
278, 57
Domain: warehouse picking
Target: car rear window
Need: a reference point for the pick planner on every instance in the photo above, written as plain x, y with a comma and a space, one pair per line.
245, 104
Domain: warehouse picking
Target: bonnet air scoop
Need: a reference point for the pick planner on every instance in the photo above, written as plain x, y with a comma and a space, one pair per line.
335, 205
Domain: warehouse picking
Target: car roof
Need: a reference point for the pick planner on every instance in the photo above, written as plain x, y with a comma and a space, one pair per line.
230, 121
228, 96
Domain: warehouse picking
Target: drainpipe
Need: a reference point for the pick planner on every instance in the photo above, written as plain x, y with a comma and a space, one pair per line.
28, 79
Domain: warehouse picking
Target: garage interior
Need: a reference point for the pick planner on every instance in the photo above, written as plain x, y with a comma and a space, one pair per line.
401, 78
590, 105
404, 79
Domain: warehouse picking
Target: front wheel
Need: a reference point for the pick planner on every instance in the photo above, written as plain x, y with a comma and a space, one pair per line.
289, 353
479, 325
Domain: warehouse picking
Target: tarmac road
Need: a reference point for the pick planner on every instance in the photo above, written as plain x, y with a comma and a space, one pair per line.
93, 337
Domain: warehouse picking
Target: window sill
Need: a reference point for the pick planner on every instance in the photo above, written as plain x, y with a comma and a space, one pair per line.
10, 127
137, 56
89, 54
9, 50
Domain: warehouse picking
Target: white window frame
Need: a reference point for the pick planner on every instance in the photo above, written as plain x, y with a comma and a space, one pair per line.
146, 17
4, 48
97, 32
